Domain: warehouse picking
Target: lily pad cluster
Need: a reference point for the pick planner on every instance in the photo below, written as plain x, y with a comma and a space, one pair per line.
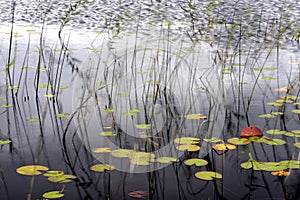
52, 175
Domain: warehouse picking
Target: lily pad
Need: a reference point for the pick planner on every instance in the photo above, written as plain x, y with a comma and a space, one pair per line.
143, 126
31, 170
196, 161
65, 178
238, 141
4, 142
257, 139
266, 116
109, 110
102, 167
7, 106
280, 173
188, 147
53, 173
208, 175
132, 112
275, 132
268, 78
274, 104
212, 140
34, 120
195, 116
274, 141
102, 150
296, 111
224, 147
53, 195
167, 160
297, 144
141, 158
271, 166
107, 134
62, 115
187, 140
121, 153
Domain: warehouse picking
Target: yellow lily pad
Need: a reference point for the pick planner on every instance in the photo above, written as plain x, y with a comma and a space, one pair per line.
195, 116
31, 170
121, 153
102, 167
208, 175
188, 147
102, 150
224, 147
167, 160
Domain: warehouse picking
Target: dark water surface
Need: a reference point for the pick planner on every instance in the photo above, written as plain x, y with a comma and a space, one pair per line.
100, 48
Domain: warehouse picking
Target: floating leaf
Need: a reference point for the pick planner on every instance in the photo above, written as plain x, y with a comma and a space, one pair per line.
187, 140
208, 175
280, 173
284, 101
62, 87
62, 115
224, 147
292, 134
195, 116
188, 147
102, 150
196, 161
257, 139
31, 170
275, 132
277, 113
102, 167
284, 89
13, 87
167, 160
33, 120
296, 111
238, 141
138, 194
3, 142
53, 195
274, 141
53, 173
65, 178
7, 106
143, 126
297, 144
132, 112
107, 133
109, 110
44, 86
141, 158
274, 104
291, 97
271, 166
268, 78
121, 153
212, 140
266, 116
49, 95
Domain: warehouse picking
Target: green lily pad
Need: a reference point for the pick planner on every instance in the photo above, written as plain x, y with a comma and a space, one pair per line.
53, 195
296, 111
266, 116
34, 120
195, 116
49, 95
257, 139
208, 175
274, 104
274, 141
62, 115
167, 160
238, 141
268, 78
188, 147
143, 126
121, 153
31, 170
53, 173
132, 112
196, 161
297, 144
4, 142
292, 134
102, 167
107, 134
275, 132
212, 140
271, 166
187, 140
7, 106
65, 178
107, 110
277, 113
45, 86
141, 158
102, 150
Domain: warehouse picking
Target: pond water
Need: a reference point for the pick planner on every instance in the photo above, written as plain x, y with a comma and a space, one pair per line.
120, 82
